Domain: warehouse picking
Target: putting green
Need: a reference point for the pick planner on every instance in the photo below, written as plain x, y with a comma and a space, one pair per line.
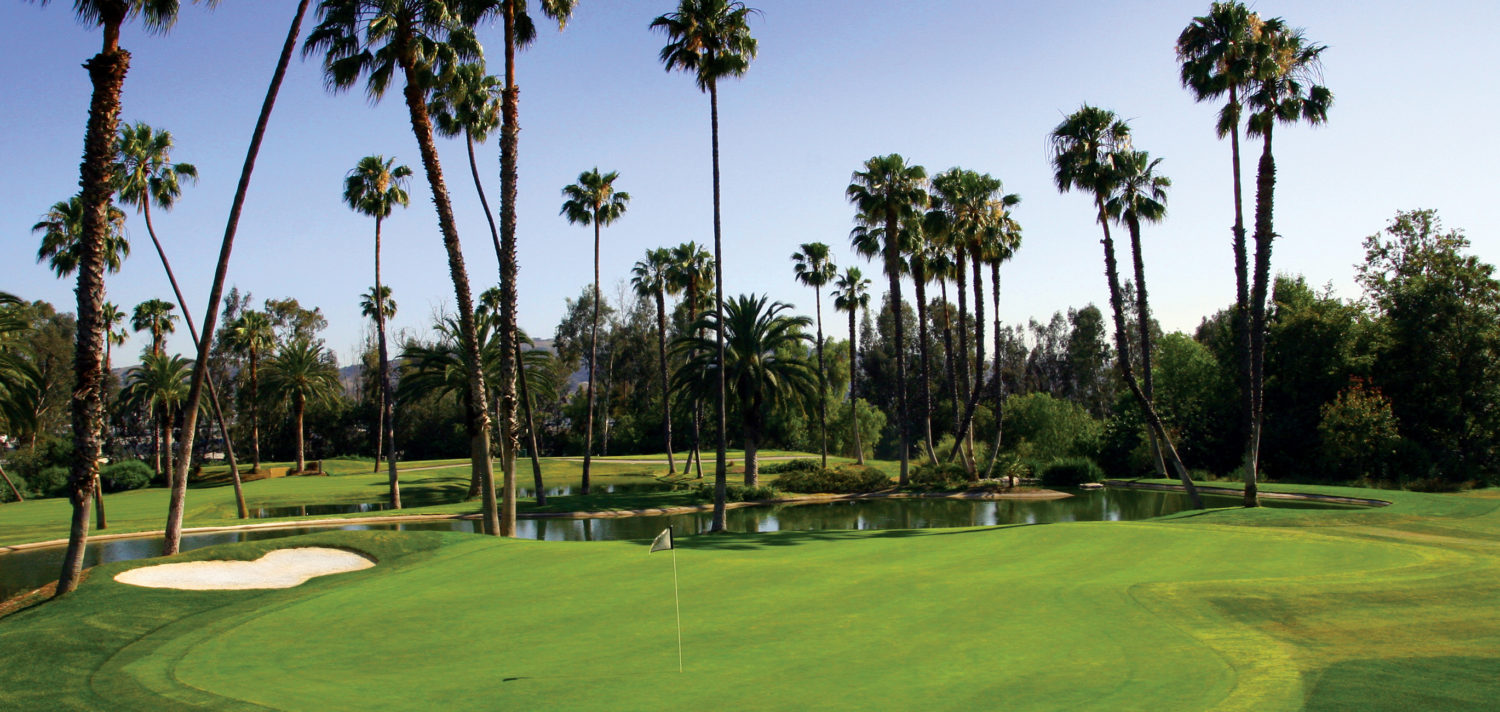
1230, 609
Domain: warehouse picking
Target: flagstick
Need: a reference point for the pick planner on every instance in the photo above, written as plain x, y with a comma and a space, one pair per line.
677, 598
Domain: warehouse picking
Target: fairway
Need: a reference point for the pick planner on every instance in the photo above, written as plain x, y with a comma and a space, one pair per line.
1230, 609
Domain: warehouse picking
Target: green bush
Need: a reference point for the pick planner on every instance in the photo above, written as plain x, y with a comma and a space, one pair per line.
18, 481
799, 465
981, 449
1070, 472
125, 475
737, 493
1046, 428
50, 482
939, 476
844, 479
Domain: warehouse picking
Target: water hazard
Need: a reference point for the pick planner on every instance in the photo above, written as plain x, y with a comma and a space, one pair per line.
25, 570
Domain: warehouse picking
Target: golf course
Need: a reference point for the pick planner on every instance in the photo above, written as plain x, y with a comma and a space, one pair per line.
1258, 609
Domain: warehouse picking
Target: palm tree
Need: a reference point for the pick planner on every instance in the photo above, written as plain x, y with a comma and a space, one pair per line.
812, 267
467, 105
1283, 89
302, 371
113, 319
1082, 148
374, 187
145, 175
886, 193
519, 31
172, 538
62, 227
764, 367
651, 277
852, 294
711, 39
1002, 237
1140, 196
593, 200
378, 310
155, 316
692, 274
18, 379
1216, 52
251, 334
159, 387
423, 40
916, 266
107, 74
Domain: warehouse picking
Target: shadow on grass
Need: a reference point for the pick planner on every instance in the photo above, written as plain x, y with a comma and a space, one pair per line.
746, 541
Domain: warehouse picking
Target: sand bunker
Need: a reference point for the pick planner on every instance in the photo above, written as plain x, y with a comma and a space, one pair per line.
282, 568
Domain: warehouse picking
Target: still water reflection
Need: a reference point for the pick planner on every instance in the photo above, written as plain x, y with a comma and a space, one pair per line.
26, 570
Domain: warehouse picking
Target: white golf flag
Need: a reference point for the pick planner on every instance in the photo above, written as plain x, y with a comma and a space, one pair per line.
662, 542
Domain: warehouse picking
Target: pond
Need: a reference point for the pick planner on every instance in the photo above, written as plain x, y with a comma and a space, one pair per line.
25, 570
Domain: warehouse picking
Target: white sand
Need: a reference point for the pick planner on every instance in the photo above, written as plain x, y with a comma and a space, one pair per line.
282, 568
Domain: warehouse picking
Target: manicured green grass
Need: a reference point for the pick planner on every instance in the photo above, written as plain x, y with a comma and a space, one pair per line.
1393, 608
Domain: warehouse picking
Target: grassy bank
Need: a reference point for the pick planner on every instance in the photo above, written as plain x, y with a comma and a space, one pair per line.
1268, 609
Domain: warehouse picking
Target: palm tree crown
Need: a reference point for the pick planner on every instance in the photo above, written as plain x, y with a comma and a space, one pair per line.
375, 186
375, 38
1285, 86
62, 228
593, 200
1216, 53
146, 174
1081, 149
710, 38
367, 305
1140, 192
155, 316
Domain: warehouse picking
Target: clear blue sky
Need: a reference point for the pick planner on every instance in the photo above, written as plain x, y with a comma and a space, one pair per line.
976, 84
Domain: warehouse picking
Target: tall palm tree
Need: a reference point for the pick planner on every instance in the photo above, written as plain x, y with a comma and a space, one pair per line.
1217, 52
518, 31
1002, 237
112, 319
155, 316
467, 105
764, 367
302, 371
107, 74
812, 267
374, 187
146, 176
711, 40
251, 334
159, 387
916, 266
886, 193
62, 229
172, 538
378, 309
593, 200
1082, 157
423, 41
692, 273
1140, 196
652, 279
1284, 89
851, 294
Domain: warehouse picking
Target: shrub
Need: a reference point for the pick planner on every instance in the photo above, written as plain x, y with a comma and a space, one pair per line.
1070, 472
17, 480
50, 482
125, 475
981, 449
737, 493
844, 479
940, 476
1047, 428
798, 465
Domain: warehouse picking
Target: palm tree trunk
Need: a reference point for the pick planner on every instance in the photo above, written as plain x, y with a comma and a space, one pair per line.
822, 380
299, 405
386, 425
536, 463
696, 455
167, 444
1143, 317
919, 277
379, 428
479, 445
173, 536
254, 414
1265, 188
11, 485
99, 503
978, 323
752, 452
951, 368
588, 435
893, 271
989, 471
1123, 345
213, 393
666, 390
1242, 312
156, 451
963, 339
859, 450
721, 468
107, 74
509, 344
